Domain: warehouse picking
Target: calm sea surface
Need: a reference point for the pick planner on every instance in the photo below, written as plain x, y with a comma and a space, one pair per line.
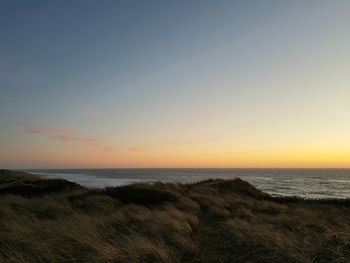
309, 183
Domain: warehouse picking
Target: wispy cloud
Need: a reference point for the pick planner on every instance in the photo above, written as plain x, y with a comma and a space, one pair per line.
62, 134
66, 135
136, 149
109, 148
180, 142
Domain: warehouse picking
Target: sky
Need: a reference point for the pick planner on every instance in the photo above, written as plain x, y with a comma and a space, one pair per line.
195, 83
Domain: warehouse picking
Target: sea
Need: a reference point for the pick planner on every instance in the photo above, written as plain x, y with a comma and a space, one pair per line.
305, 183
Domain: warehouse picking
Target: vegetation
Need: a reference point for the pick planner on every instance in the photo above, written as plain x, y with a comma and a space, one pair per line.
44, 220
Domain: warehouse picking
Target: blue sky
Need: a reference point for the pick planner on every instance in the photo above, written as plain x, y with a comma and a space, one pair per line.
175, 80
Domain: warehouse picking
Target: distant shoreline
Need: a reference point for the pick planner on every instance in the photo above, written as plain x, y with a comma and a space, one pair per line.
305, 183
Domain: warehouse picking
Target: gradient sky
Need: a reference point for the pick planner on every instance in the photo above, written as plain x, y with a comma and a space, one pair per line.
174, 83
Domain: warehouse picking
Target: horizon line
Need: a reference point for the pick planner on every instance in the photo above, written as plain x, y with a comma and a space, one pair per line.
144, 168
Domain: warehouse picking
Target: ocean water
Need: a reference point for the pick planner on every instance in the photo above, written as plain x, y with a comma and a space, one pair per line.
307, 183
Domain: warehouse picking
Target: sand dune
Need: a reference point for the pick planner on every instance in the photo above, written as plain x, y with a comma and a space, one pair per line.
44, 220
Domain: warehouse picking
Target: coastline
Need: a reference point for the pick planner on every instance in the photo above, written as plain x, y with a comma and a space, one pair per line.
305, 183
54, 220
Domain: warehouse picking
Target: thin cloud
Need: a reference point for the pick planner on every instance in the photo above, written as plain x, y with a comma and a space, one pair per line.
135, 149
108, 148
66, 135
62, 134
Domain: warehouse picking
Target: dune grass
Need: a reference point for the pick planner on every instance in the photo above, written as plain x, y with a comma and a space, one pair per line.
210, 221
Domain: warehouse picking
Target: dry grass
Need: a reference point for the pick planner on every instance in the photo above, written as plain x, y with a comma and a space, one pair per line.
211, 221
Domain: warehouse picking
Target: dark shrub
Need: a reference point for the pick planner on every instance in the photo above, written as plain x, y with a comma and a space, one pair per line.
37, 187
141, 194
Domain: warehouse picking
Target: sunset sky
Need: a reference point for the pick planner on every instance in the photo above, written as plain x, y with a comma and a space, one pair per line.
174, 83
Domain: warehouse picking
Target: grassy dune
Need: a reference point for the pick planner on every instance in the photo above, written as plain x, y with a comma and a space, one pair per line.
211, 221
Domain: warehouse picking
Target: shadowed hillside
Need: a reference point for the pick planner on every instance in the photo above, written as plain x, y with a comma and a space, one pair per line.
44, 220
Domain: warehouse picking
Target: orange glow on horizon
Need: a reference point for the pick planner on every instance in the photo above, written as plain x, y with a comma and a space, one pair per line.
311, 158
